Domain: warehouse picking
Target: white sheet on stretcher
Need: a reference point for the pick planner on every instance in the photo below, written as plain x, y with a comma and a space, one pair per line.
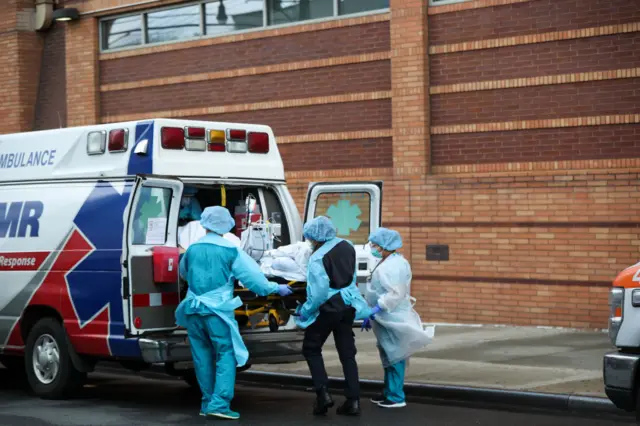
288, 262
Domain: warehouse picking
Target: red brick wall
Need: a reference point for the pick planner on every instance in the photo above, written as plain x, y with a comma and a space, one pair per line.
583, 143
342, 117
559, 57
535, 103
352, 78
348, 154
51, 105
531, 17
336, 42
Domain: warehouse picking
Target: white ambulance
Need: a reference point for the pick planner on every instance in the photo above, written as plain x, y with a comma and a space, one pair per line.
89, 218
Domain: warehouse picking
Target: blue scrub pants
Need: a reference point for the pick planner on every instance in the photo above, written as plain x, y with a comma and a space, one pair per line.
214, 361
393, 379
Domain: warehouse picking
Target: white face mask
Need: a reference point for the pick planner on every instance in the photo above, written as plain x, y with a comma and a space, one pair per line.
311, 245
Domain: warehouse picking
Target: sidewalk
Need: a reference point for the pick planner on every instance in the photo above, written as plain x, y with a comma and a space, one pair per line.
516, 358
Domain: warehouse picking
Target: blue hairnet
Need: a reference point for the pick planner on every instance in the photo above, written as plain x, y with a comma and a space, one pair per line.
319, 229
388, 239
217, 219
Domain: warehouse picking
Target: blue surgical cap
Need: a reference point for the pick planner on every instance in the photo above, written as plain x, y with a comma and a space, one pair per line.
217, 219
319, 229
388, 239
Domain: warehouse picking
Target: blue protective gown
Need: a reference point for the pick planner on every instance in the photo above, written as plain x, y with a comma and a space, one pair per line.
319, 291
210, 266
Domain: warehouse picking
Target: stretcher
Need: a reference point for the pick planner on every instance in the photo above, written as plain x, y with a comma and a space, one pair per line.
270, 311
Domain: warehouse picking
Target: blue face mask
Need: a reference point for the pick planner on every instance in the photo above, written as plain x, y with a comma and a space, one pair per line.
376, 253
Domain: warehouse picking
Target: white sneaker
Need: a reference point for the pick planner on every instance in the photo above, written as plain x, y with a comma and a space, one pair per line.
391, 404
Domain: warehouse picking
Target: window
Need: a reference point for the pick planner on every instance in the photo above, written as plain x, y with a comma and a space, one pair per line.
217, 17
347, 7
151, 216
173, 24
232, 15
349, 212
121, 32
288, 11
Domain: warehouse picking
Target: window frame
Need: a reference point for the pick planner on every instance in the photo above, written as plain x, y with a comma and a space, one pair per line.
265, 26
443, 2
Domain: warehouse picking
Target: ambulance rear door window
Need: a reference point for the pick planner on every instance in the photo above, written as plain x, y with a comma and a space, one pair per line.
151, 216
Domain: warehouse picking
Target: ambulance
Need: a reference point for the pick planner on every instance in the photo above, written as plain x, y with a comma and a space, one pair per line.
622, 367
89, 255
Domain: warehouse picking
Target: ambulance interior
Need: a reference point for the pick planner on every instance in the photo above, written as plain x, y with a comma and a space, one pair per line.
265, 236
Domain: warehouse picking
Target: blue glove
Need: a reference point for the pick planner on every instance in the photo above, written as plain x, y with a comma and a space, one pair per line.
366, 324
284, 290
374, 311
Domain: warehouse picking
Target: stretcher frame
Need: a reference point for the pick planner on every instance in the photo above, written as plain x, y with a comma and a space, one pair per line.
271, 311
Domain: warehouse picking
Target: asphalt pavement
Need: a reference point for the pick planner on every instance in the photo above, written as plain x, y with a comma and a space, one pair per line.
121, 399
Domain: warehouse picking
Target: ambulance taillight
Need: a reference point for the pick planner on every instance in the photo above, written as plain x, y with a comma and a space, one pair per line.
237, 141
96, 143
118, 140
172, 138
258, 143
195, 139
217, 141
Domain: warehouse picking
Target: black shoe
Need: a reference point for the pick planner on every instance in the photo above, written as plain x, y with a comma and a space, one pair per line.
378, 399
351, 407
323, 402
391, 404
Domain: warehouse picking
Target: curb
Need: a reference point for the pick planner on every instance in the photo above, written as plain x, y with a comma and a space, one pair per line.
458, 394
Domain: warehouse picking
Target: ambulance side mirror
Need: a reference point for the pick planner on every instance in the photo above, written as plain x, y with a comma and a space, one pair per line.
165, 264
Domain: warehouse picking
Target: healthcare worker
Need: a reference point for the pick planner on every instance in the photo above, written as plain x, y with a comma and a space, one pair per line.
210, 266
333, 303
397, 326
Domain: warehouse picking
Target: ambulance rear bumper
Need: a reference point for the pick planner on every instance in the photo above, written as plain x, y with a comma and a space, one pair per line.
264, 348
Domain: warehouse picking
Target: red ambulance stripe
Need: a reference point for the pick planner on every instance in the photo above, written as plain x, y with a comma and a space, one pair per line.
25, 261
141, 300
144, 300
171, 298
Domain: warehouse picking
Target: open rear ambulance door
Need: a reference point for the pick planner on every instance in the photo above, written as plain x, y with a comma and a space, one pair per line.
355, 208
151, 288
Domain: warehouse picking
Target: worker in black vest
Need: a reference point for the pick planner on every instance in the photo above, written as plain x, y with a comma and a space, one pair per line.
333, 303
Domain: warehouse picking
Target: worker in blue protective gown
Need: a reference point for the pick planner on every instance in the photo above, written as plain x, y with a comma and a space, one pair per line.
210, 266
333, 303
189, 205
397, 326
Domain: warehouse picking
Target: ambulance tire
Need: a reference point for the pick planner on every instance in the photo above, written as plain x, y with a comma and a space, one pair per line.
68, 379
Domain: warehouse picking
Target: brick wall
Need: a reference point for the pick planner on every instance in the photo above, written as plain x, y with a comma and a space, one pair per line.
20, 52
583, 143
618, 51
535, 103
341, 117
360, 77
529, 17
51, 105
347, 154
305, 46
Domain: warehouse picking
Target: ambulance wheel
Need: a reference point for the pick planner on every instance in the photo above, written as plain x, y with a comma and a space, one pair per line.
50, 371
273, 323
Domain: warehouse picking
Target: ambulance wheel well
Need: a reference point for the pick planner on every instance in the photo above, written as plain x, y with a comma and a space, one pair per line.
32, 315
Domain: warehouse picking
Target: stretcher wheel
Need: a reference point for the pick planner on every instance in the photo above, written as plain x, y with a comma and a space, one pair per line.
273, 323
